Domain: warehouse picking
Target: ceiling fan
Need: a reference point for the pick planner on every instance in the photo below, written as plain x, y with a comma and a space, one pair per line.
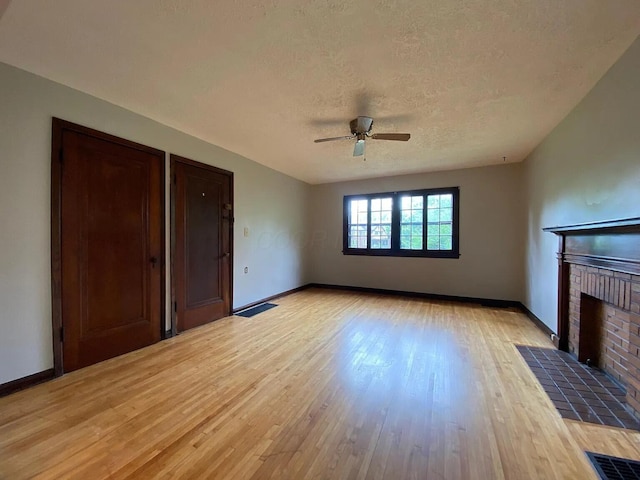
361, 130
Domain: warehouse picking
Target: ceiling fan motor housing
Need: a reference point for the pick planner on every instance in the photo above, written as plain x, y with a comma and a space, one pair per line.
361, 125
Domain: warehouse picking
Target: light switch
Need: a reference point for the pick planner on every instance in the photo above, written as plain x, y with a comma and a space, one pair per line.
246, 231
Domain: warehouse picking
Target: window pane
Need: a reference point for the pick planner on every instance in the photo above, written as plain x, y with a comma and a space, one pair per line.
446, 200
440, 217
433, 201
358, 220
380, 242
381, 222
357, 206
411, 219
446, 214
433, 215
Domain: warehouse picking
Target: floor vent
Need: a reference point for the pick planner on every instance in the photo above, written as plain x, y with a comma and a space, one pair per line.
250, 312
614, 468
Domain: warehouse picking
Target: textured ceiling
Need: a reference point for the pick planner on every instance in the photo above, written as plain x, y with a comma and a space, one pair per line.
471, 80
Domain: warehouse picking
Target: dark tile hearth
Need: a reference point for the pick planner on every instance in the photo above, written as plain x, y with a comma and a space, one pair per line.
614, 468
577, 391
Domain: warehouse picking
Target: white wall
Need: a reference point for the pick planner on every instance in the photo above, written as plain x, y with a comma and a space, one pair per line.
271, 204
491, 237
587, 169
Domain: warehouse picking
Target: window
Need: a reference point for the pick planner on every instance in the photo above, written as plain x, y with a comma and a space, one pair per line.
422, 223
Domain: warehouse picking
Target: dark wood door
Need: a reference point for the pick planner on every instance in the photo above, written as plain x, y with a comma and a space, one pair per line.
203, 219
111, 235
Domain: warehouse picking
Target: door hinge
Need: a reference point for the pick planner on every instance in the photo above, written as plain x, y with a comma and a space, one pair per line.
175, 179
62, 334
175, 306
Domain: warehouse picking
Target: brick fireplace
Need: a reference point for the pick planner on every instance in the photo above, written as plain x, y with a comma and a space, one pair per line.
599, 299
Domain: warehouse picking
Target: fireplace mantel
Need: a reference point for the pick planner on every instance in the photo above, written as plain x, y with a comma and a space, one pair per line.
613, 244
595, 226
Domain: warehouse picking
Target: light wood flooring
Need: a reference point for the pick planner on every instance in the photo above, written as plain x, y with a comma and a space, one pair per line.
327, 385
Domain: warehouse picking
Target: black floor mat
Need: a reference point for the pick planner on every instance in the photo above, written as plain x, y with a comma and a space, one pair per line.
614, 468
250, 312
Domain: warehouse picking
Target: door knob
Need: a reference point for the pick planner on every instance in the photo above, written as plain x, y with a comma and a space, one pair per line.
153, 261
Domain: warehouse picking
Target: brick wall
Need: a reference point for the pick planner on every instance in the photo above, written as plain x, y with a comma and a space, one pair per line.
620, 336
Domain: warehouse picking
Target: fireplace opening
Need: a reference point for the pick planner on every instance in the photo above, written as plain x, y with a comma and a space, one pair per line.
604, 338
591, 331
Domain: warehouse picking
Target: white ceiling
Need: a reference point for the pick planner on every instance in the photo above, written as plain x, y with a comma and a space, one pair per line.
471, 80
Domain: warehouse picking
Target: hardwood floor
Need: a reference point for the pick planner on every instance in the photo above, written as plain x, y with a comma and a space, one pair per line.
330, 384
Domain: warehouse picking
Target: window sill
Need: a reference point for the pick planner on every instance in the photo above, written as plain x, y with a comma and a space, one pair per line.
400, 253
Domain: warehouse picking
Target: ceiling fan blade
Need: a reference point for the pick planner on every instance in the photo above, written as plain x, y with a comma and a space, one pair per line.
402, 137
359, 148
349, 137
364, 124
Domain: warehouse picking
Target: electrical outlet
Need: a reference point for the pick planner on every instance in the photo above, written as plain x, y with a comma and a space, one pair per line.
246, 269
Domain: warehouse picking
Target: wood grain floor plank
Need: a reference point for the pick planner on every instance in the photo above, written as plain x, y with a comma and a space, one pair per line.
330, 384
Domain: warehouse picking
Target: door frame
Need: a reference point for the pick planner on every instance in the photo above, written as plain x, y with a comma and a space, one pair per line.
186, 161
59, 126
